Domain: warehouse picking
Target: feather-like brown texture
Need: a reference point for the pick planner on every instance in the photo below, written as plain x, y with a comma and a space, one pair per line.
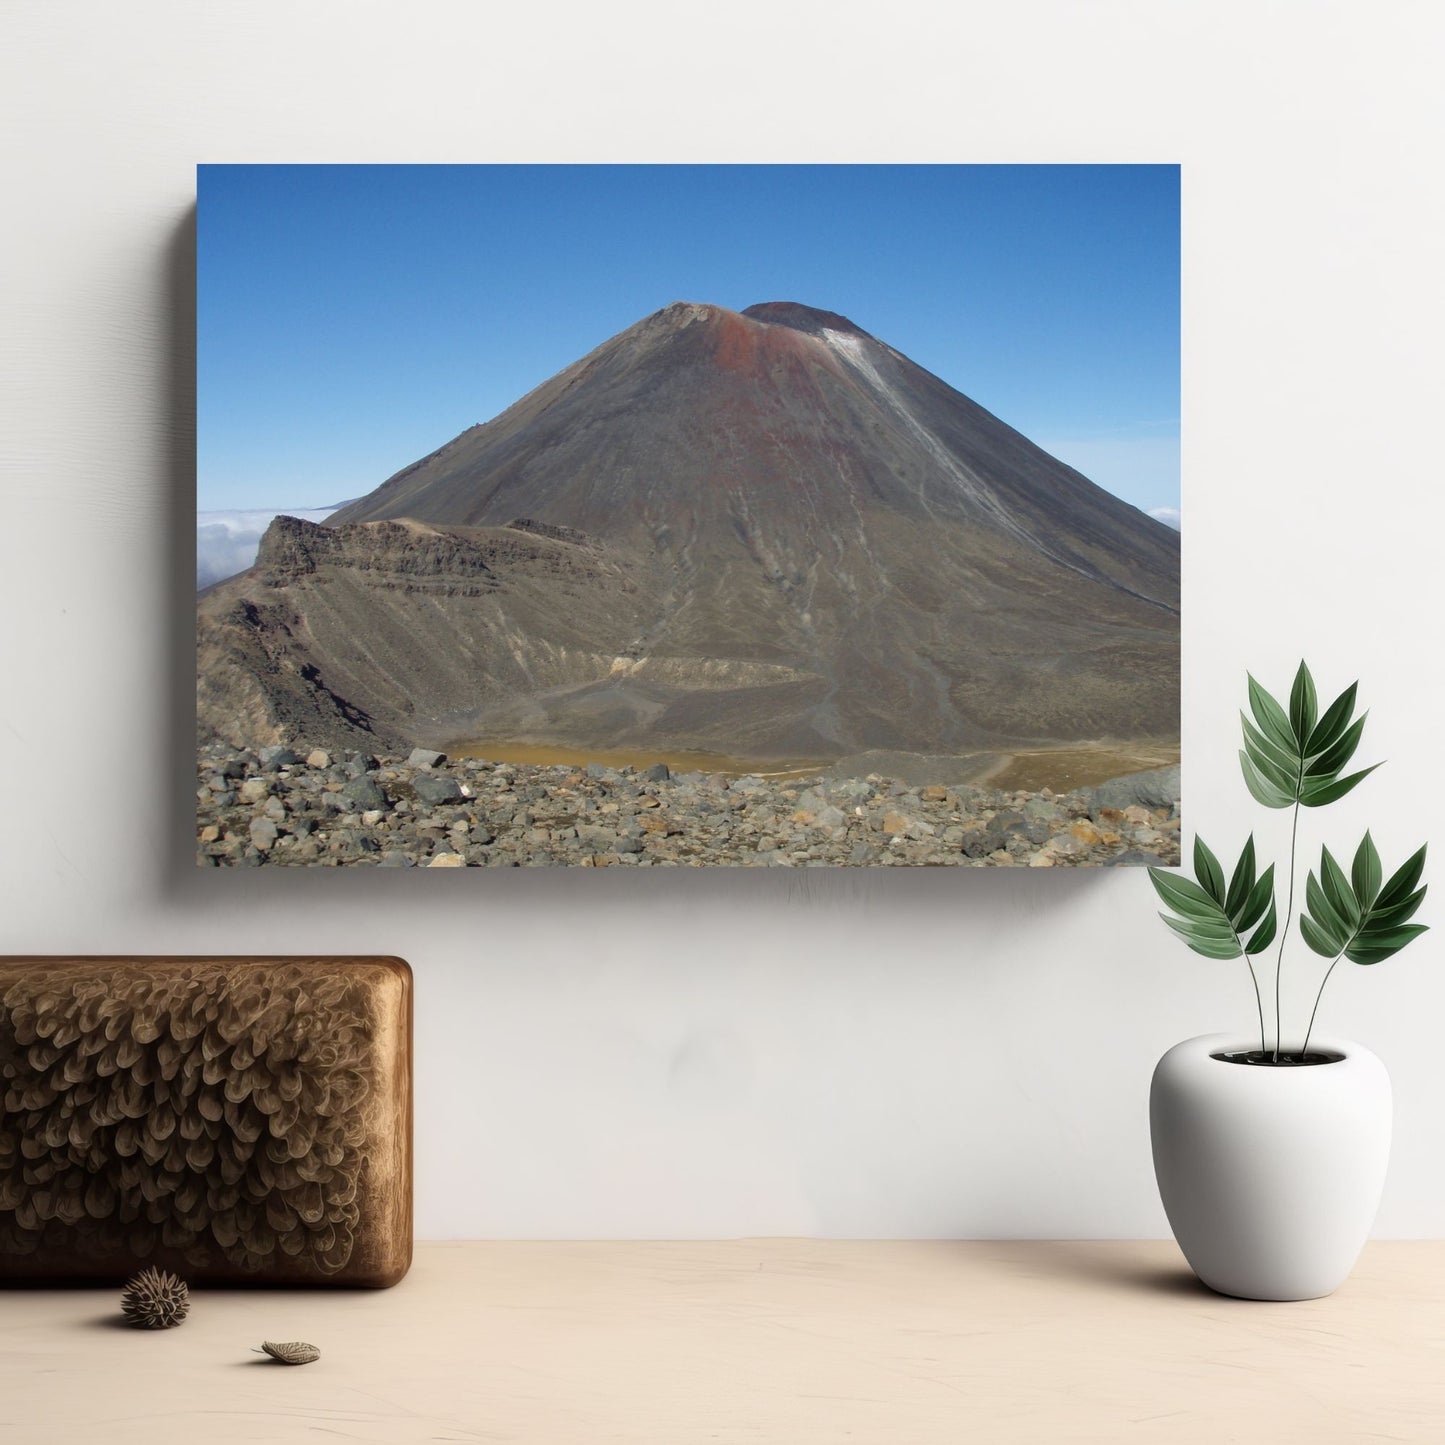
291, 1352
231, 1118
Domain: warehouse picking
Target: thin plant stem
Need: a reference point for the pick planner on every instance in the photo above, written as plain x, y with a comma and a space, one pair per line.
1258, 1001
1318, 997
1284, 932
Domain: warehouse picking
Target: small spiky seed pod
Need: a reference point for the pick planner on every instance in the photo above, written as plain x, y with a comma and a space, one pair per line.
155, 1300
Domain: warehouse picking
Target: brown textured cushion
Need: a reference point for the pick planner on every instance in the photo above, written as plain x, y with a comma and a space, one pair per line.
232, 1119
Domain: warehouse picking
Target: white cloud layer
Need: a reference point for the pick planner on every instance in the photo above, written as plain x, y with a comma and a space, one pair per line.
226, 542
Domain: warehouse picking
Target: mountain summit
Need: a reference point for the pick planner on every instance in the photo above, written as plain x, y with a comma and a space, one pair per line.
763, 532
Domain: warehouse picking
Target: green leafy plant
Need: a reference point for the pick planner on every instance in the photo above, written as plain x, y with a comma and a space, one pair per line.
1296, 758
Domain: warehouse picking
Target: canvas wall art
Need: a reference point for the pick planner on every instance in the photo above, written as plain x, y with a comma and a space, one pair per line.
633, 516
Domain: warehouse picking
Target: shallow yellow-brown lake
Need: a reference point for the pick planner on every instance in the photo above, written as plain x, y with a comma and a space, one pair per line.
1081, 765
1084, 766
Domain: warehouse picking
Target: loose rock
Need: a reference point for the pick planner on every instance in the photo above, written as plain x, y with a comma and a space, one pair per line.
359, 810
437, 790
365, 795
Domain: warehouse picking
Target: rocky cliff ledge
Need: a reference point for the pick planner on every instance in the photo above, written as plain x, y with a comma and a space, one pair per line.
352, 809
384, 634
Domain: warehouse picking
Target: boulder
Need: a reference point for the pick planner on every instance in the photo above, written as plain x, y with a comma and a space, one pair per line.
433, 791
1158, 788
981, 843
364, 794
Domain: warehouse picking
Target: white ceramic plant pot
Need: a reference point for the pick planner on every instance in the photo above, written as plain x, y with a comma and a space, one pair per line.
1270, 1176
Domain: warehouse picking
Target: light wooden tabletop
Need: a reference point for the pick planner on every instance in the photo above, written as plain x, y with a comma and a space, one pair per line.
788, 1341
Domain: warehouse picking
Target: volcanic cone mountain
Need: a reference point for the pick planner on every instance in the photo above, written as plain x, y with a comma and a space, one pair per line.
765, 533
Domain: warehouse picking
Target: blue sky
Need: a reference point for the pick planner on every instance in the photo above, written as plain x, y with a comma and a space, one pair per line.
353, 318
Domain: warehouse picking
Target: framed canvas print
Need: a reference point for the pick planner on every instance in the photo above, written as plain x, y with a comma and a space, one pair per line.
685, 516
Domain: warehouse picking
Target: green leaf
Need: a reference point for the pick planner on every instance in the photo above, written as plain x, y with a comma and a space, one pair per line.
1318, 796
1404, 881
1256, 743
1303, 706
1264, 934
1317, 939
1286, 779
1261, 789
1202, 922
1198, 928
1377, 949
1261, 897
1220, 948
1241, 881
1324, 916
1337, 889
1356, 917
1365, 874
1208, 871
1221, 953
1338, 753
1185, 897
1194, 931
1389, 937
1399, 913
1368, 956
1211, 947
1271, 717
1333, 723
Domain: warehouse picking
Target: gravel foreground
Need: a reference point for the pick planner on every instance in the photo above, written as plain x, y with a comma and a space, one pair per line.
275, 807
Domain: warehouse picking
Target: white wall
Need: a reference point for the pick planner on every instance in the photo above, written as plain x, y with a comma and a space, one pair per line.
621, 1053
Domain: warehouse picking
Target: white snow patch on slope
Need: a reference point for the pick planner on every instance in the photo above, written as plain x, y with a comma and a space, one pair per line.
853, 351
